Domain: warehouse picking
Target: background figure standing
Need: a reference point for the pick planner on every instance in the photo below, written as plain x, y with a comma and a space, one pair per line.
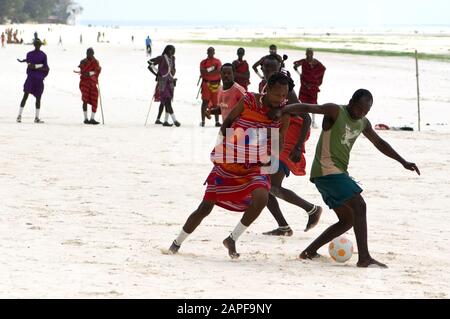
242, 70
210, 75
3, 39
81, 39
230, 93
311, 79
148, 45
273, 51
166, 84
37, 71
89, 72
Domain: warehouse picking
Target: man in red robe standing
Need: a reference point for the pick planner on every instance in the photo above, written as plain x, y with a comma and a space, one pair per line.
89, 72
311, 79
242, 70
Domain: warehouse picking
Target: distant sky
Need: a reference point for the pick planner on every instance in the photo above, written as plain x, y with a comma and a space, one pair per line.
272, 12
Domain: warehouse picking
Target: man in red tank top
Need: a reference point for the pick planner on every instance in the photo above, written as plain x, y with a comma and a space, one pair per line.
210, 74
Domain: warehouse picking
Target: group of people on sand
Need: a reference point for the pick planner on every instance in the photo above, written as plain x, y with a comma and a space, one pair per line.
240, 180
38, 69
275, 120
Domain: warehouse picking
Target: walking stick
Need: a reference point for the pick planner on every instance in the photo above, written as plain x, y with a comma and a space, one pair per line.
149, 109
418, 89
101, 103
198, 83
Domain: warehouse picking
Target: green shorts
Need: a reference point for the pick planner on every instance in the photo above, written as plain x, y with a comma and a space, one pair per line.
336, 189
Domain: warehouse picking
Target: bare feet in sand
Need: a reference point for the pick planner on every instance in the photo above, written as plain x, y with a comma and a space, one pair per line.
314, 219
308, 256
230, 244
371, 263
280, 231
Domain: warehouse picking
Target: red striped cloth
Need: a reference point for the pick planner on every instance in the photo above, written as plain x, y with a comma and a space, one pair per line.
88, 84
230, 184
290, 141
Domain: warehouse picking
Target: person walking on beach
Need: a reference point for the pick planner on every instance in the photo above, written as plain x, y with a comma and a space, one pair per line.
311, 79
37, 71
233, 185
342, 125
210, 75
292, 160
148, 46
165, 84
242, 70
89, 73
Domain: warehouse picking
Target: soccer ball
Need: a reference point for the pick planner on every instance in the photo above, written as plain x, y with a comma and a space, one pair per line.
341, 249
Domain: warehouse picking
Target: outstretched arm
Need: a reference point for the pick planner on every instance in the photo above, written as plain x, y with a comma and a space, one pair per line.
296, 153
387, 149
331, 110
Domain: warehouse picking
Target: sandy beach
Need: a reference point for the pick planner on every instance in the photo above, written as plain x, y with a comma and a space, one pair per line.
86, 212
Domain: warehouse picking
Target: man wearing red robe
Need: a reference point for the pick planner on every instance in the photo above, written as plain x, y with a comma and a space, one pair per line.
89, 72
242, 70
311, 78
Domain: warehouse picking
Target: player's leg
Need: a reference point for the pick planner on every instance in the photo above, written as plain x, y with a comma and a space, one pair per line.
191, 224
283, 227
345, 216
259, 202
359, 208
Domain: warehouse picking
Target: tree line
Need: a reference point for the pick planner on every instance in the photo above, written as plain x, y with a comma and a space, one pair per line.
40, 11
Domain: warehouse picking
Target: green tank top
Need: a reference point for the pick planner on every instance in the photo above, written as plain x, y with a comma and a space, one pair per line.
334, 146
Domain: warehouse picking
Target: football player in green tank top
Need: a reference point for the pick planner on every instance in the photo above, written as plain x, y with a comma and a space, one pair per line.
342, 125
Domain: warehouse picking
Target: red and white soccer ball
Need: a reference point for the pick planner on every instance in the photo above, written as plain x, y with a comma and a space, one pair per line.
341, 249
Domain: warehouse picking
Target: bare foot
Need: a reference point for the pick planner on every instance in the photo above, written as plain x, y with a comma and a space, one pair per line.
230, 244
280, 232
309, 256
314, 219
174, 249
371, 263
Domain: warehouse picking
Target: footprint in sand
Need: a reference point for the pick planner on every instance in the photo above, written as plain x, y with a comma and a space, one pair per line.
73, 242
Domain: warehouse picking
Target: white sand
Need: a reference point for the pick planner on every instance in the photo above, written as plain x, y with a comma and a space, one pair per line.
86, 211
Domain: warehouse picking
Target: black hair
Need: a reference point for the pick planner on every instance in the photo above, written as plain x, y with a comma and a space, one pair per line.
228, 65
241, 49
278, 78
273, 58
168, 48
358, 95
273, 46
